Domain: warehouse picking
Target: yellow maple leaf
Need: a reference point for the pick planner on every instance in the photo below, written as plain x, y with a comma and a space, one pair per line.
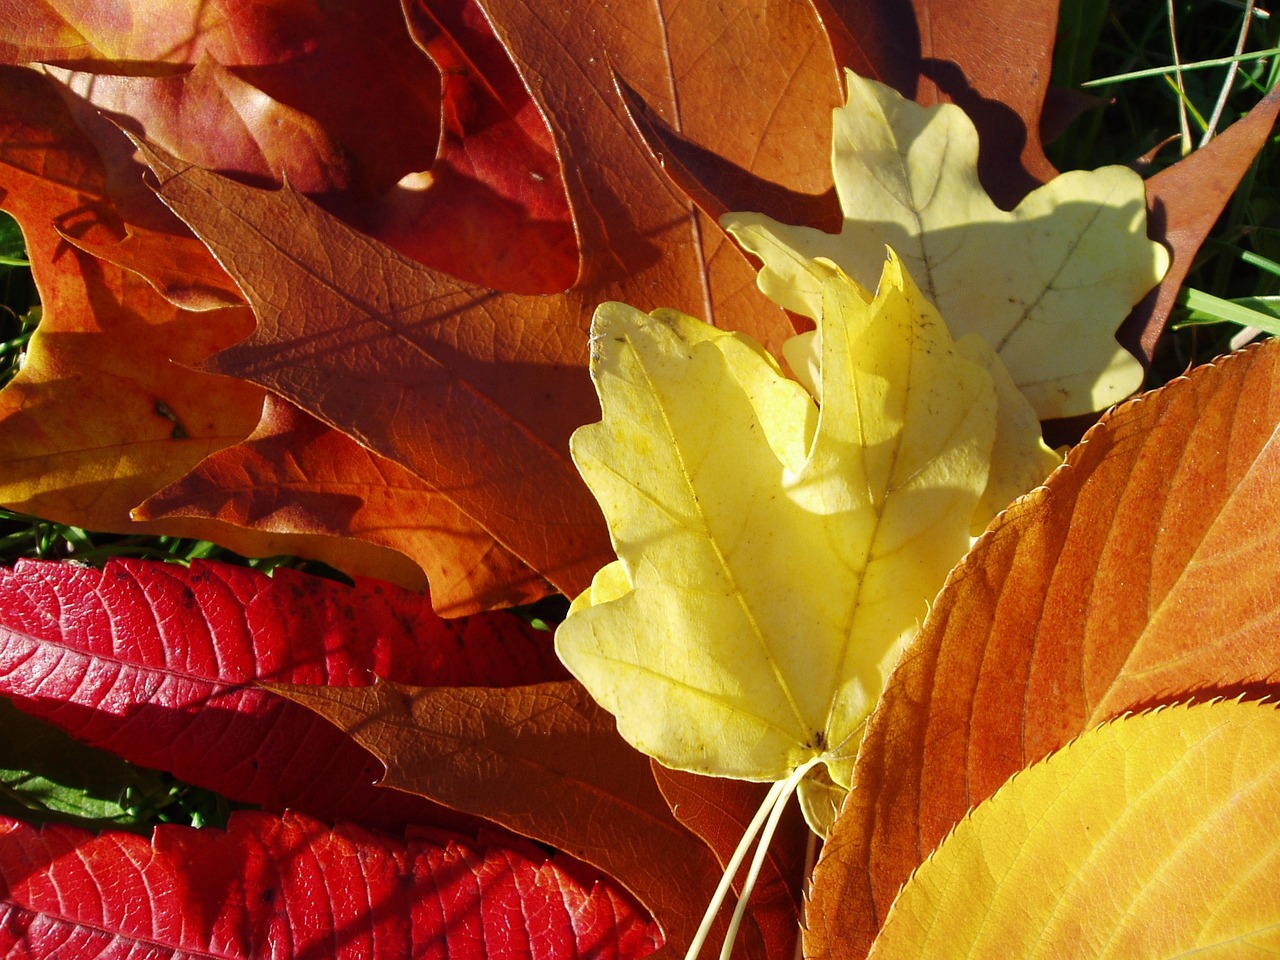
774, 553
1045, 285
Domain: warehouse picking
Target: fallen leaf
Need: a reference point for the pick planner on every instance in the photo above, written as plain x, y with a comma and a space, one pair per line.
102, 415
134, 59
493, 208
773, 558
1066, 265
1152, 836
156, 663
992, 60
546, 762
475, 391
69, 452
294, 473
290, 887
1141, 573
1184, 201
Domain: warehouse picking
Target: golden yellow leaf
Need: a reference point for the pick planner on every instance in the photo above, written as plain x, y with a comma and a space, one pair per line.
772, 558
1046, 285
1154, 836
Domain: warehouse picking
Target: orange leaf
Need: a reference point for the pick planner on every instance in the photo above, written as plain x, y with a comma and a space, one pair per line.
1143, 572
294, 473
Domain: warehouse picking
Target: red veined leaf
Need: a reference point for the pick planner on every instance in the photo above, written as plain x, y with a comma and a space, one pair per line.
291, 888
158, 663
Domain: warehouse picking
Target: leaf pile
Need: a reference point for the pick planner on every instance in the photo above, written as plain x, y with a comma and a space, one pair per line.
321, 281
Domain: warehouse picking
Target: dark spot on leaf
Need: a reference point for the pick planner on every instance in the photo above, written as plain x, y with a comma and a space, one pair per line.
179, 431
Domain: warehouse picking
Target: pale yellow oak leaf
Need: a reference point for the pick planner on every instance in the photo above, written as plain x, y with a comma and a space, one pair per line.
773, 556
1046, 285
1154, 836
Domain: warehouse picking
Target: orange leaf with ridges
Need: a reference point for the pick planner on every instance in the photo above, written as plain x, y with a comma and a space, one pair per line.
1142, 572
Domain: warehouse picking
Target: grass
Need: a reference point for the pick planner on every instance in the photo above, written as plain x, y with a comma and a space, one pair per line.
1118, 52
1227, 297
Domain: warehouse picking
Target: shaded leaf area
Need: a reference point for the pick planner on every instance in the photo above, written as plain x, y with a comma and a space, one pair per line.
719, 810
1142, 573
1067, 264
253, 90
158, 664
1152, 836
45, 775
290, 887
496, 165
546, 762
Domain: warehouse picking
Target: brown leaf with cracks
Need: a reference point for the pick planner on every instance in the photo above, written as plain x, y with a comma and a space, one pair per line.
1142, 573
546, 762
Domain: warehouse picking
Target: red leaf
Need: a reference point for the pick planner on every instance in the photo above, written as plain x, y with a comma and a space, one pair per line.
156, 663
291, 888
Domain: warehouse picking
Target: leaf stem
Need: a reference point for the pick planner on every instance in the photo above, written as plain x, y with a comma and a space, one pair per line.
731, 869
767, 818
762, 849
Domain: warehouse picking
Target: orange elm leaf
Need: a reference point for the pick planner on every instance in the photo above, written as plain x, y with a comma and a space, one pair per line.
544, 761
1142, 573
1154, 835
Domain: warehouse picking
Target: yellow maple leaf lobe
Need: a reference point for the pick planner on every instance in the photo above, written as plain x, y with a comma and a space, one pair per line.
773, 553
1045, 285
